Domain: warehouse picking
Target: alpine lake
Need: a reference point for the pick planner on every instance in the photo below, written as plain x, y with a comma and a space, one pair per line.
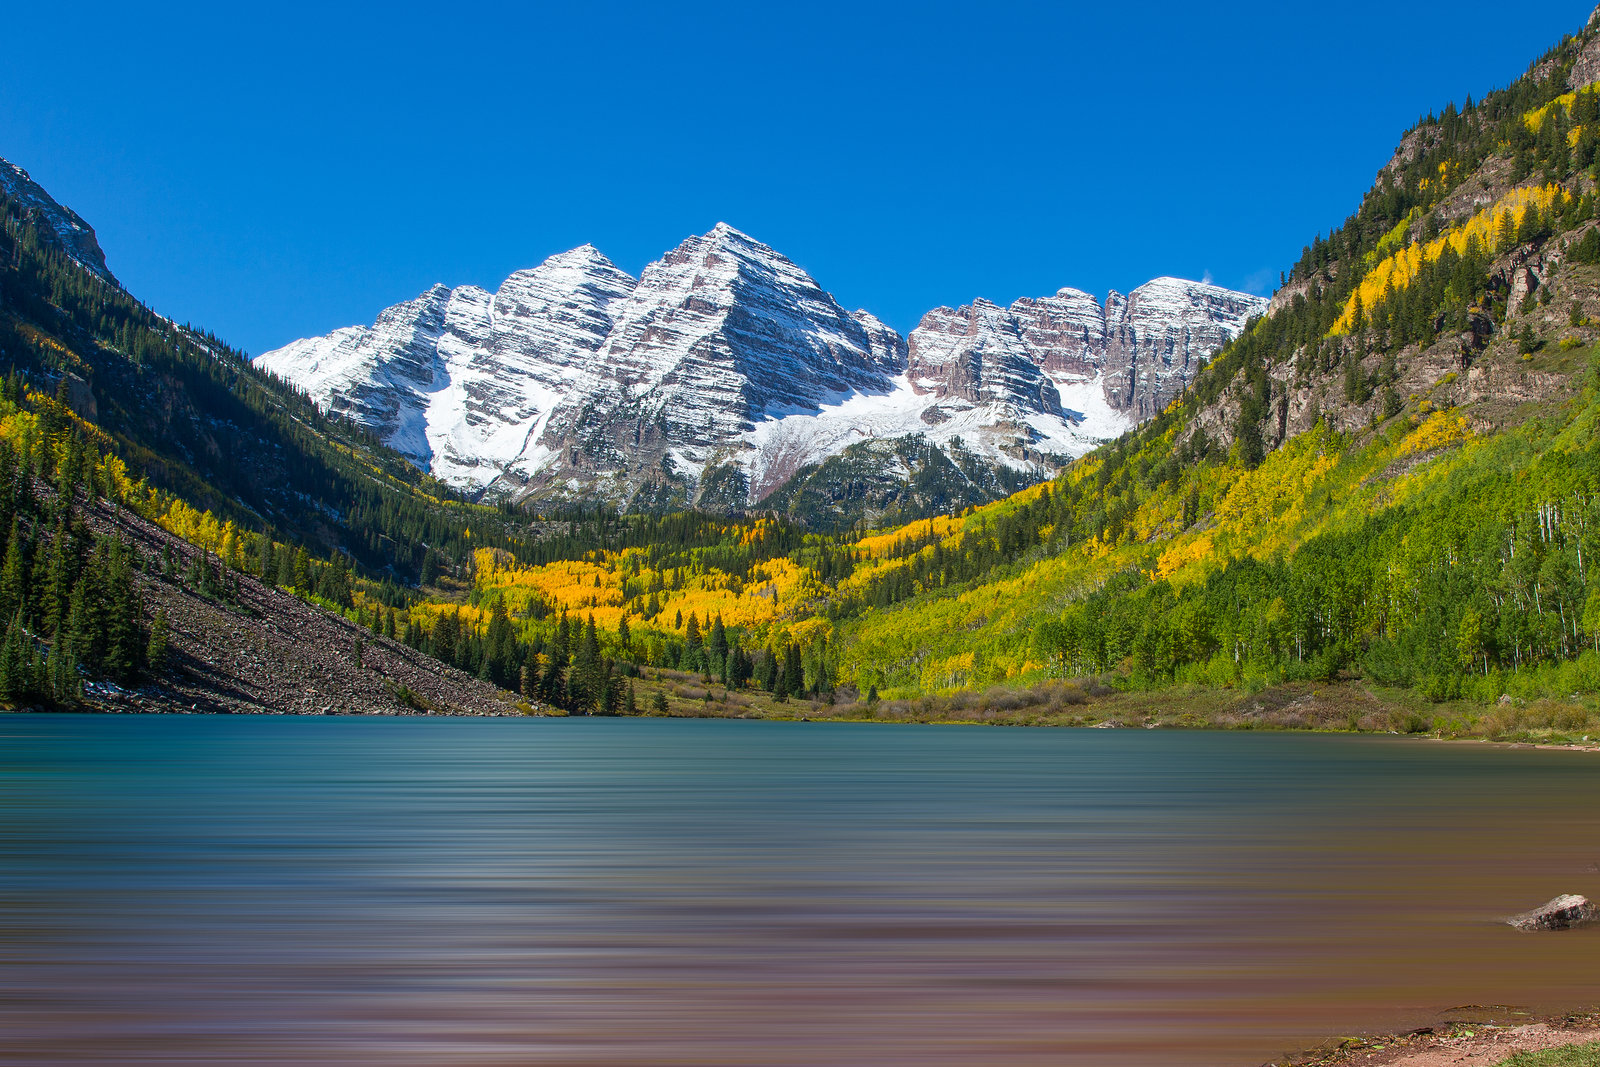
270, 890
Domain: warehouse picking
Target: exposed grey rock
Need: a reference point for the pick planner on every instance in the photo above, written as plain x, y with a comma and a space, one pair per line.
76, 236
1558, 914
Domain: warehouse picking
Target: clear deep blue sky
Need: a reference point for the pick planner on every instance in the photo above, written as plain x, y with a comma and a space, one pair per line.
274, 171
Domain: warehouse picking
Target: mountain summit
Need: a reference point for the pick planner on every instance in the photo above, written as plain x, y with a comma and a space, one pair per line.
75, 236
725, 369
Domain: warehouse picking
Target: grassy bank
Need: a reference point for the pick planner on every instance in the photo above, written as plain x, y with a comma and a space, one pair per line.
1349, 706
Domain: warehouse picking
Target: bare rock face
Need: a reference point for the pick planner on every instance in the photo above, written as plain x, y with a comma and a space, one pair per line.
1157, 336
1586, 68
1139, 350
1065, 333
1559, 914
76, 236
977, 353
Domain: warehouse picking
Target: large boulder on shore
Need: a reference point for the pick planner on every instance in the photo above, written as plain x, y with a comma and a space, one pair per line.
1558, 914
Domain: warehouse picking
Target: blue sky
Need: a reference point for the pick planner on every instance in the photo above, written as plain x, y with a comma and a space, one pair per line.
272, 171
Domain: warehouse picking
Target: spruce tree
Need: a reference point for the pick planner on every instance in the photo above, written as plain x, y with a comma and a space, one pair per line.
266, 559
585, 682
160, 639
719, 641
12, 662
552, 683
122, 611
37, 672
65, 685
13, 575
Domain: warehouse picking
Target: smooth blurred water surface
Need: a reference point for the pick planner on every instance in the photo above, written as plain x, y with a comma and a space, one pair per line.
646, 891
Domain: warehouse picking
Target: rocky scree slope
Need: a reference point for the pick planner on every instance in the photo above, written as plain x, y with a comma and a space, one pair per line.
725, 371
272, 653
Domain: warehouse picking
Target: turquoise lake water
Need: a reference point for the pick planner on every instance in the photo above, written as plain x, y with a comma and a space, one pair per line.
646, 891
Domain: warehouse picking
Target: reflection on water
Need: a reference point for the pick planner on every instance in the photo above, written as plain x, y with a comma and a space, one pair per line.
217, 890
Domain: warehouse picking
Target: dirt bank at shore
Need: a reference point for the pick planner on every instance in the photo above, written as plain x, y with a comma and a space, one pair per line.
1454, 1044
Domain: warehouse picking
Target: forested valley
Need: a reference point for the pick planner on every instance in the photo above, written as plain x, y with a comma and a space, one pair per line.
1390, 481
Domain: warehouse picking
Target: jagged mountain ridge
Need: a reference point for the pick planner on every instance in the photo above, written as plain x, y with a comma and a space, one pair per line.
76, 237
725, 371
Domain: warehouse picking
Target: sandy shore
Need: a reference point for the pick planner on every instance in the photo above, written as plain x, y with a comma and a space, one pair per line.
1457, 1044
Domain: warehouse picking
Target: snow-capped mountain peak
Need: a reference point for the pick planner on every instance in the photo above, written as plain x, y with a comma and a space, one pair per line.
725, 368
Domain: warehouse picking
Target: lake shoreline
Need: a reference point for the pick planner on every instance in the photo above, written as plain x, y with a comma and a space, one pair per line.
1349, 706
1456, 1043
1178, 716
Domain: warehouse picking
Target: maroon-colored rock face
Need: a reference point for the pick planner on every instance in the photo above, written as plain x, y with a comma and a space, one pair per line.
1145, 347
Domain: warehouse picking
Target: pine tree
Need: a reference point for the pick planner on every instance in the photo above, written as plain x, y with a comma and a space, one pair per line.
65, 685
266, 559
38, 673
500, 650
13, 574
122, 612
719, 640
63, 573
658, 702
552, 683
443, 637
584, 684
160, 637
630, 707
12, 661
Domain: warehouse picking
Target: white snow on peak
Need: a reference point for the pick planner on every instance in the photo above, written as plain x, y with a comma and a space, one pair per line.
574, 377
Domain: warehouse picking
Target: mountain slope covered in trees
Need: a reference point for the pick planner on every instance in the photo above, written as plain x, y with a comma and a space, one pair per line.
1390, 478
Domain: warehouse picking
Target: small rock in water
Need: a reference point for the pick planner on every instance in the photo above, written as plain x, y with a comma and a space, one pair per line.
1558, 914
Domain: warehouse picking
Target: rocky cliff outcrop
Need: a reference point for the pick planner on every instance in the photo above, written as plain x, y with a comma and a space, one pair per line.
1140, 350
76, 236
